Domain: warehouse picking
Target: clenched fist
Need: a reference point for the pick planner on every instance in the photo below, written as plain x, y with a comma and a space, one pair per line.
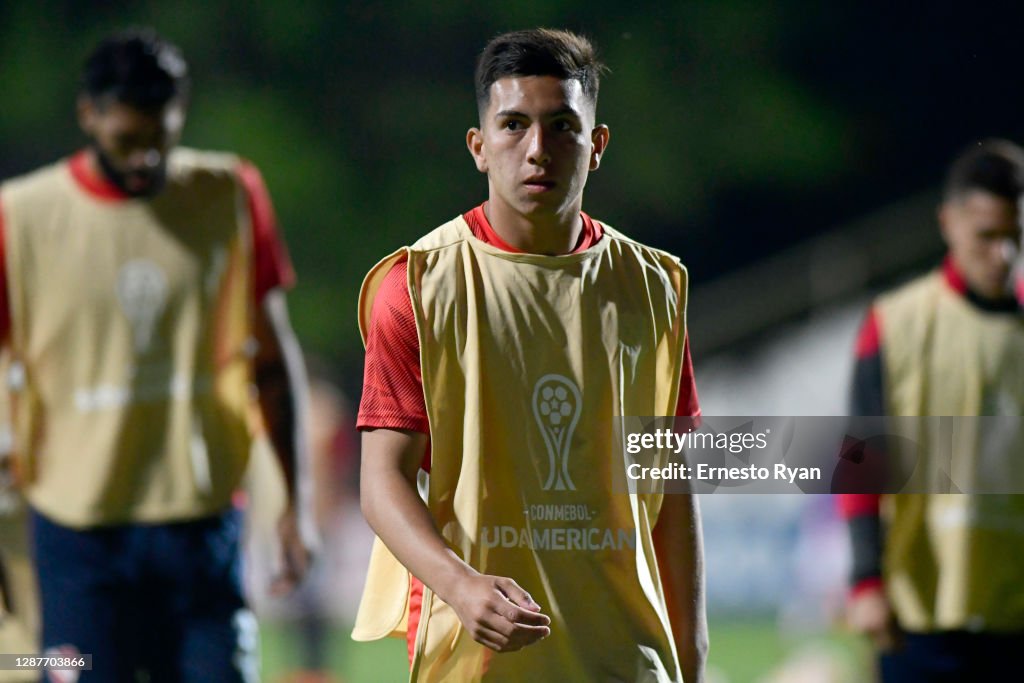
498, 613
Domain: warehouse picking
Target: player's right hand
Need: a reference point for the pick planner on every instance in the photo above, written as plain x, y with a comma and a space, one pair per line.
498, 613
869, 613
295, 553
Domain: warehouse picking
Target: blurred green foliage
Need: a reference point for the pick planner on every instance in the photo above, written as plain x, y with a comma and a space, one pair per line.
356, 113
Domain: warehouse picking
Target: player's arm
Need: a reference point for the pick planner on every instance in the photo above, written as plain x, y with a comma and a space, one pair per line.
495, 610
868, 609
393, 418
679, 547
280, 377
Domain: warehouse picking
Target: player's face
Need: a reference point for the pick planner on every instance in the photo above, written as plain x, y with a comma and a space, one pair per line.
131, 145
537, 142
983, 232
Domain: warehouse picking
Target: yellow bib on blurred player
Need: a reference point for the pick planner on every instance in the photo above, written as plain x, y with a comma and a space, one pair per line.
130, 322
526, 361
955, 561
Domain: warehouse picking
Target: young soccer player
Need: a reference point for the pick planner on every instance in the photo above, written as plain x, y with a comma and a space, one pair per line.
938, 577
500, 349
136, 276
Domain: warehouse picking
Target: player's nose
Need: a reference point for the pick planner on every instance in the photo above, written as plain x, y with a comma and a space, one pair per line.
537, 151
1009, 250
145, 158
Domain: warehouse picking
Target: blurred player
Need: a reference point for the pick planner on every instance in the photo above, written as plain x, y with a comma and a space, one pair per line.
143, 292
939, 579
19, 601
500, 348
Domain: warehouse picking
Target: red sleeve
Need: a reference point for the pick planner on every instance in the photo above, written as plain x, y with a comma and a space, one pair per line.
5, 308
392, 383
687, 406
272, 267
856, 504
869, 339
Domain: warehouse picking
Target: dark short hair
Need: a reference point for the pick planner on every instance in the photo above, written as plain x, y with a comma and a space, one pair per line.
993, 166
136, 67
538, 52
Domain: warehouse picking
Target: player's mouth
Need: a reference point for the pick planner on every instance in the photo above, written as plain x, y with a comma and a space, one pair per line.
138, 181
539, 184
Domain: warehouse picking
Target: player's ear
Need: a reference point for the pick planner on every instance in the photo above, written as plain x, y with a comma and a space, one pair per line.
173, 121
86, 110
599, 138
945, 215
475, 144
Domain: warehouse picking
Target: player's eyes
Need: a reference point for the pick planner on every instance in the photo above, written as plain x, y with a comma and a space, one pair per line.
120, 148
563, 126
997, 235
512, 124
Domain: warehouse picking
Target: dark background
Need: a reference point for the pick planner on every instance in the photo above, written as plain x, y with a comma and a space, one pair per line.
738, 128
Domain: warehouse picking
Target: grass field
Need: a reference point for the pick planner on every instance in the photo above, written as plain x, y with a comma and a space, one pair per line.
741, 652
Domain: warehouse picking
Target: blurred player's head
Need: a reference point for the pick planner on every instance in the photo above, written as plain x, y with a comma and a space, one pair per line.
132, 106
980, 215
536, 95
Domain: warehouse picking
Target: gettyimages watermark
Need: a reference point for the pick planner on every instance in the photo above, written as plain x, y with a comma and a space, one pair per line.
978, 455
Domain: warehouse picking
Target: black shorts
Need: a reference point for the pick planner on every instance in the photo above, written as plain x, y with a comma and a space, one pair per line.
953, 657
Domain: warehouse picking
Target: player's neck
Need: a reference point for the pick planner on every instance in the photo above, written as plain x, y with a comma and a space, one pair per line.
551, 235
92, 166
1008, 300
98, 177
